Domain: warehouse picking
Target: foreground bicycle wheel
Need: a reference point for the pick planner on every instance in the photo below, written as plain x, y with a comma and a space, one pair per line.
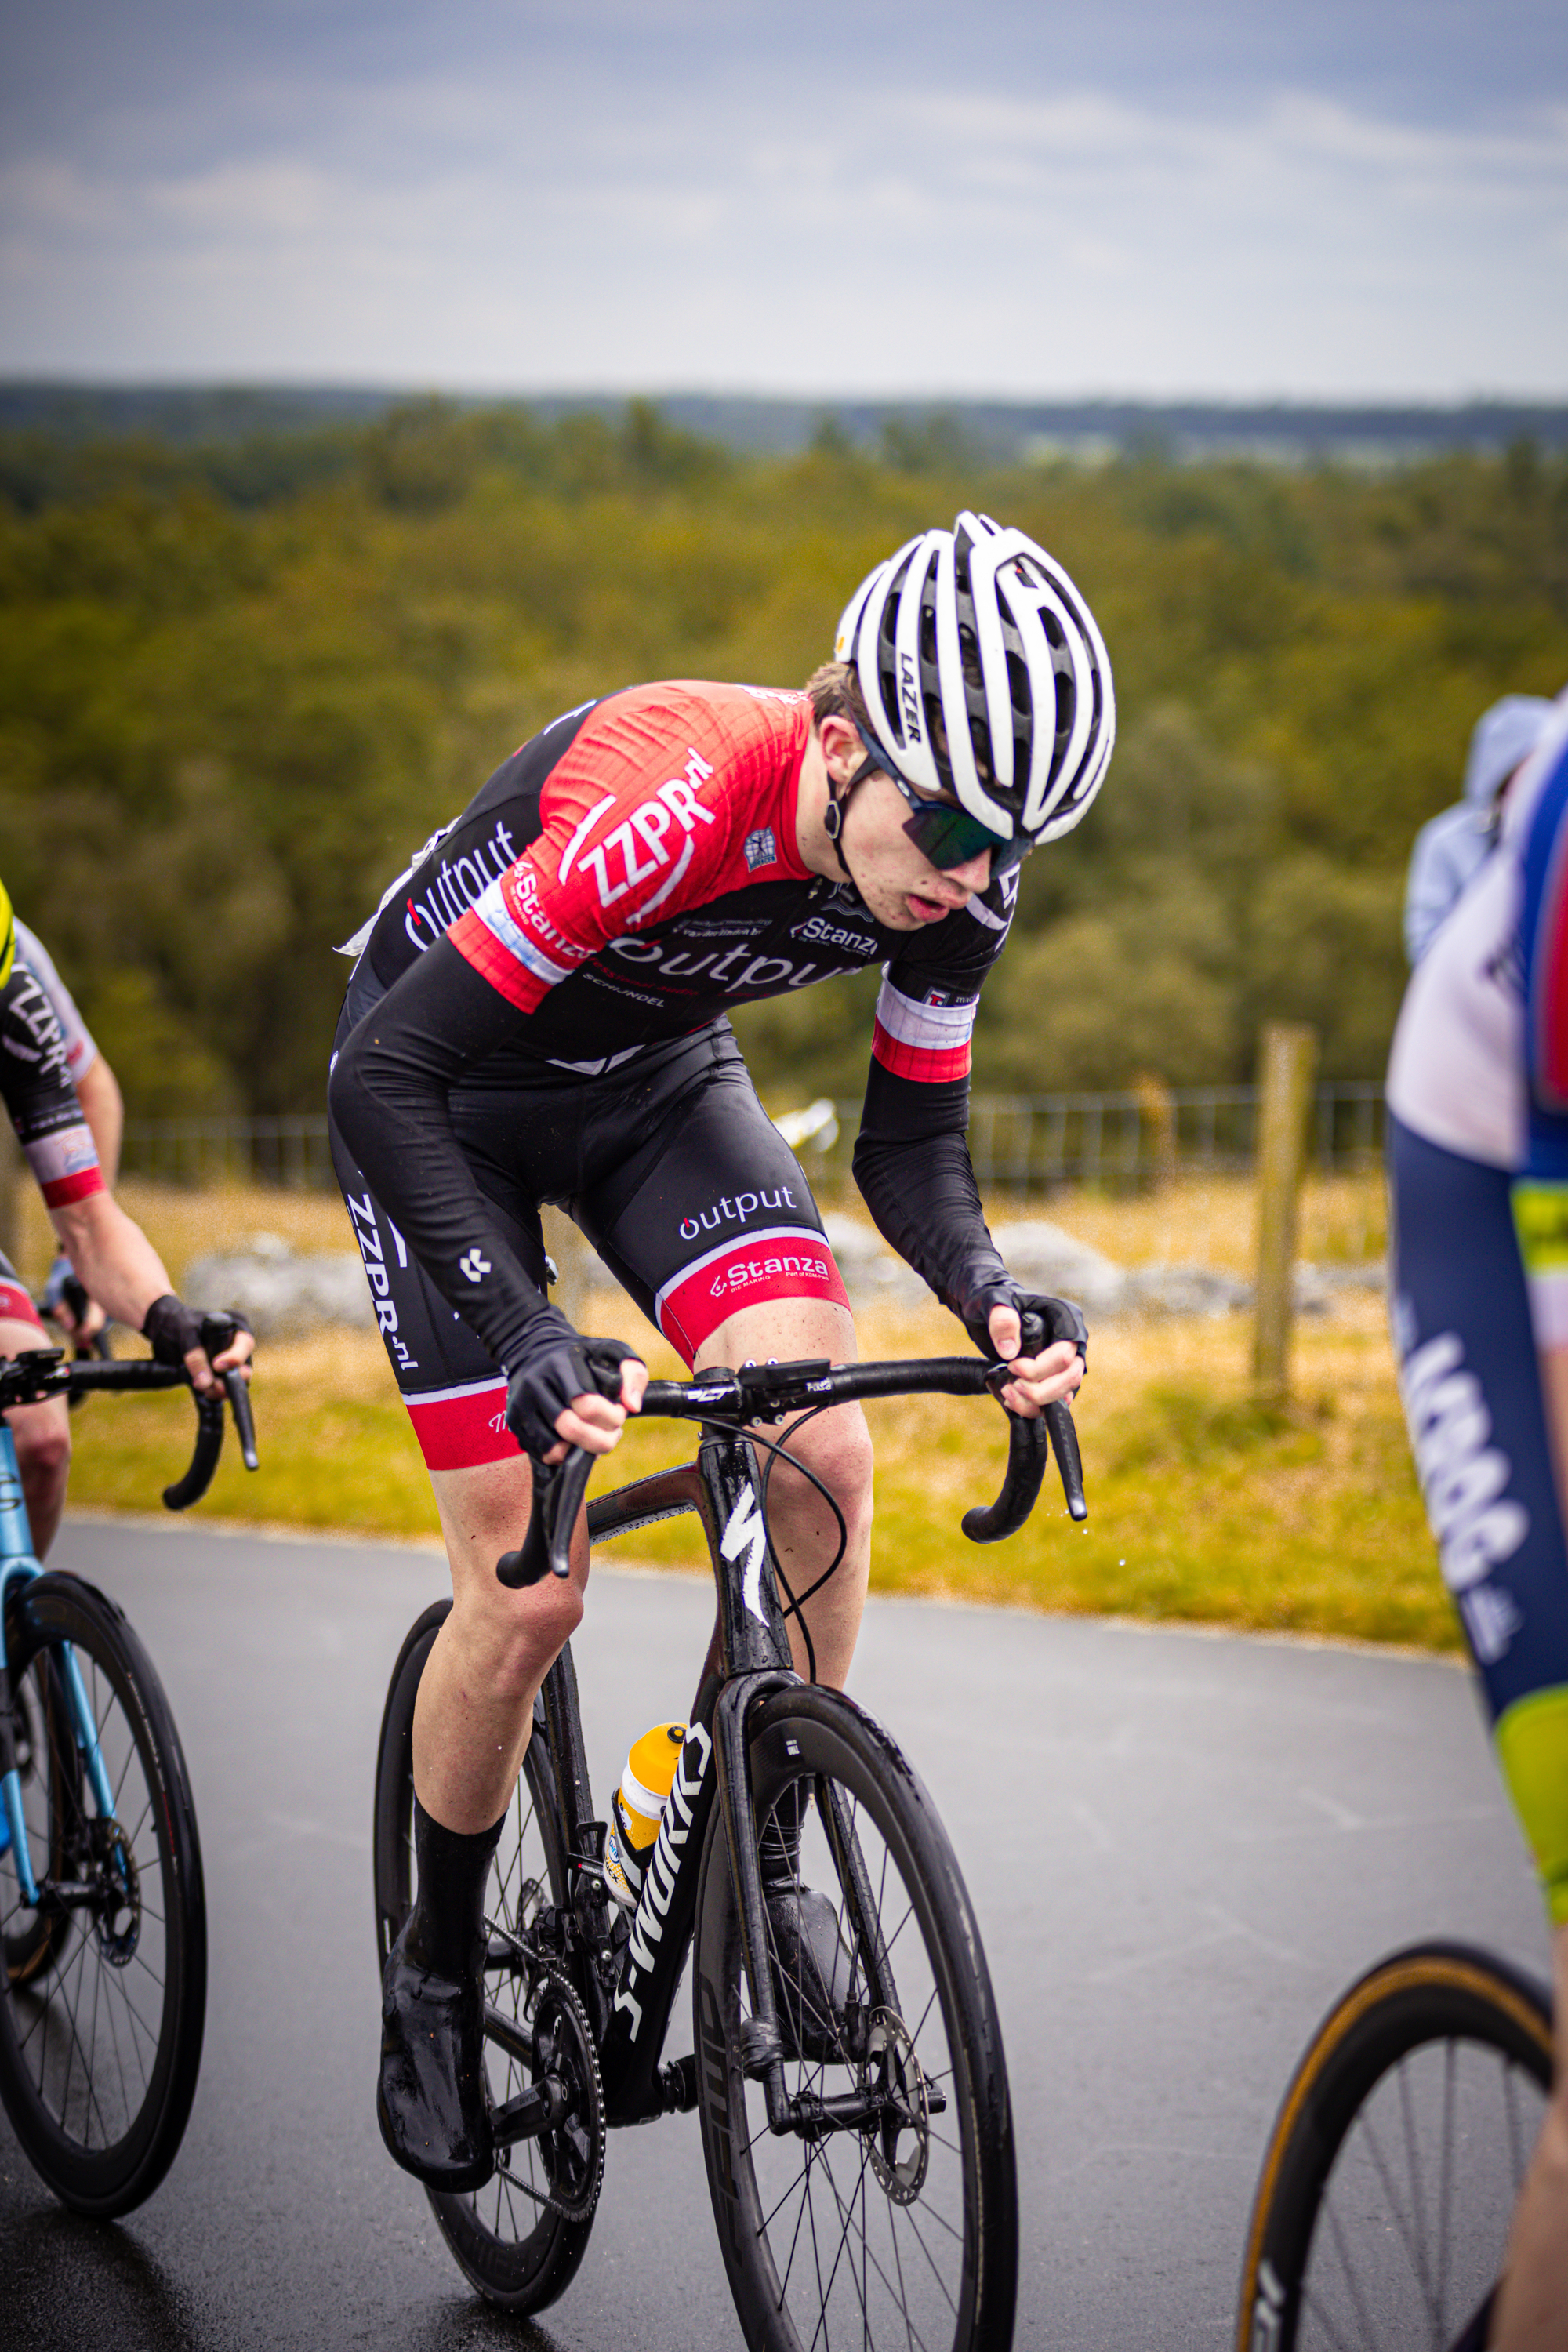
104, 2002
1382, 2210
900, 2229
508, 2242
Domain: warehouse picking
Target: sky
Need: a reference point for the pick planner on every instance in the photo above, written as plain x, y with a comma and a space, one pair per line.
1241, 199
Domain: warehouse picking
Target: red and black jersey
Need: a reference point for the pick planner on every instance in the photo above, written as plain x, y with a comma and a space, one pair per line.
632, 873
626, 878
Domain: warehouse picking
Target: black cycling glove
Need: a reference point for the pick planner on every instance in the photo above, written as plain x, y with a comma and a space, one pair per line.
1061, 1318
175, 1329
554, 1365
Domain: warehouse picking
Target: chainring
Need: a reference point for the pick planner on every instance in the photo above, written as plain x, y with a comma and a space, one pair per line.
573, 2152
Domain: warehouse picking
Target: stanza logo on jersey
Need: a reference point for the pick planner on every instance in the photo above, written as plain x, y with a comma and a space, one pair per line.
635, 851
816, 929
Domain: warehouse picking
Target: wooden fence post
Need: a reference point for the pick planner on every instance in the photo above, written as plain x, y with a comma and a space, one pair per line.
573, 1262
1287, 1063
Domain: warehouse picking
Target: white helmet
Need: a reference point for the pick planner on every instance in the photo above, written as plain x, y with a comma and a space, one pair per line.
983, 676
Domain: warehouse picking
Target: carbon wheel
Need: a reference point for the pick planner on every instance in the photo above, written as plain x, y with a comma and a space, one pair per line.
889, 2216
1383, 2205
507, 2239
102, 2012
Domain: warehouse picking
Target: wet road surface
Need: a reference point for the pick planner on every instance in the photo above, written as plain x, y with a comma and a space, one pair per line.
1180, 1847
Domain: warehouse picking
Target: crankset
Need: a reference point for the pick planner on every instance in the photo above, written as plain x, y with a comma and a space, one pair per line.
563, 2107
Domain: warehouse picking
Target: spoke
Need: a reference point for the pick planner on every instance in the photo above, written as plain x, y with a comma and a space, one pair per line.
1365, 2335
1445, 2200
909, 2213
1341, 2343
1411, 2253
1515, 2129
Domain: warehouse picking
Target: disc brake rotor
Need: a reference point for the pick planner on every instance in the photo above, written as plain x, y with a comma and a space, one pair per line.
901, 2144
117, 1909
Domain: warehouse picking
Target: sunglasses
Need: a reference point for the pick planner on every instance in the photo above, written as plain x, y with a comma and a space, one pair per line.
945, 835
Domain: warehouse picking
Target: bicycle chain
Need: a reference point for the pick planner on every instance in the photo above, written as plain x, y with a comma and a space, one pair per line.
582, 2208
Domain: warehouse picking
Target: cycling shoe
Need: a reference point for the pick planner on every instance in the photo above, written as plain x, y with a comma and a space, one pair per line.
432, 2100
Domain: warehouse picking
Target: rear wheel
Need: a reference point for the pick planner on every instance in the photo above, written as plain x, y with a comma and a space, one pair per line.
508, 2240
102, 2010
1383, 2207
888, 2217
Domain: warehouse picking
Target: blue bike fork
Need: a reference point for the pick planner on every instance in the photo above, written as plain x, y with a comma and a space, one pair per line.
16, 1563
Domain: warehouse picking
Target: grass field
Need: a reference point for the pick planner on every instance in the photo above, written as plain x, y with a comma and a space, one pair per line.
1204, 1505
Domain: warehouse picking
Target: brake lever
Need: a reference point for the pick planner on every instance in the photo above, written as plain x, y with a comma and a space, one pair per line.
546, 1551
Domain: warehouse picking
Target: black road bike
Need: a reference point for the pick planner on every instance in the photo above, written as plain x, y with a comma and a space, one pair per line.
1383, 2211
103, 1915
858, 2147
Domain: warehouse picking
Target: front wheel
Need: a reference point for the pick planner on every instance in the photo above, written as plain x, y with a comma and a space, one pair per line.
103, 2000
1383, 2205
886, 2215
507, 2239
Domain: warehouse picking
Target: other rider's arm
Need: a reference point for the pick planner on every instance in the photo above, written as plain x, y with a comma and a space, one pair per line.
390, 1092
119, 1267
912, 1166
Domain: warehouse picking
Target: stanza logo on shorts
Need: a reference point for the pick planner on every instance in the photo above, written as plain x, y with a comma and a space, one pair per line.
475, 1266
741, 1275
743, 1205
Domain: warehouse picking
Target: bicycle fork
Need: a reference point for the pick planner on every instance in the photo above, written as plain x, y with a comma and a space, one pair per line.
17, 1564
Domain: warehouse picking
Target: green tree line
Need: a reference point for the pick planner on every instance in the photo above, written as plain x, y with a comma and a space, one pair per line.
239, 685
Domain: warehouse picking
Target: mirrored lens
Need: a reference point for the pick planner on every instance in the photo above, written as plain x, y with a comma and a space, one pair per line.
951, 837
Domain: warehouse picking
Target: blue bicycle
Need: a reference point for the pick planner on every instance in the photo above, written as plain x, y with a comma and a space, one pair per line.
103, 1913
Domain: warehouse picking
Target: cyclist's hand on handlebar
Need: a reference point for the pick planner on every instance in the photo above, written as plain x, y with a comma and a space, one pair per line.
208, 1345
563, 1390
1057, 1371
1047, 1374
594, 1423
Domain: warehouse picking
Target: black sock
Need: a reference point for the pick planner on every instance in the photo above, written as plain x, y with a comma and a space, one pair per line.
446, 1931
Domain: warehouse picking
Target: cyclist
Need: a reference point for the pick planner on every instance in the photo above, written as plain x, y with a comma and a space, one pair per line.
117, 1263
1452, 847
1478, 1095
538, 1013
104, 1111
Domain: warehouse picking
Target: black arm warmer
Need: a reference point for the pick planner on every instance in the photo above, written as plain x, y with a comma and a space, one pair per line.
911, 1164
390, 1095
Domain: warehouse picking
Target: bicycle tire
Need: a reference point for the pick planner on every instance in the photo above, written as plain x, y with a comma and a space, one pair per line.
926, 2212
516, 2252
31, 1949
101, 2048
1364, 2227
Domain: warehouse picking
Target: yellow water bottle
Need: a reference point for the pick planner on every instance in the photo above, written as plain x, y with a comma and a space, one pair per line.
637, 1809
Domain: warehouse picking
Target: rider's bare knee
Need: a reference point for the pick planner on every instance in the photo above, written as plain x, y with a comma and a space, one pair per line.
838, 1449
533, 1630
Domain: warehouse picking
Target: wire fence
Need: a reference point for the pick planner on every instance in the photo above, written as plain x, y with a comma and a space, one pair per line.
1020, 1144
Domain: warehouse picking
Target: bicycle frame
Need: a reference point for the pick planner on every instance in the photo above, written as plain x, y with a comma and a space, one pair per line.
17, 1564
723, 1488
630, 2003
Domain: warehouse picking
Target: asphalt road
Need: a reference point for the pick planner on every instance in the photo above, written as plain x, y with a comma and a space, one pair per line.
1180, 1847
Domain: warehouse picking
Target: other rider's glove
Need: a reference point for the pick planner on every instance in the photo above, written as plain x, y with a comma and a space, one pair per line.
554, 1366
1061, 1318
174, 1329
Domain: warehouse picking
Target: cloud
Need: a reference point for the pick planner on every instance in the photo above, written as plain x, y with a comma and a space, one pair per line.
795, 232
